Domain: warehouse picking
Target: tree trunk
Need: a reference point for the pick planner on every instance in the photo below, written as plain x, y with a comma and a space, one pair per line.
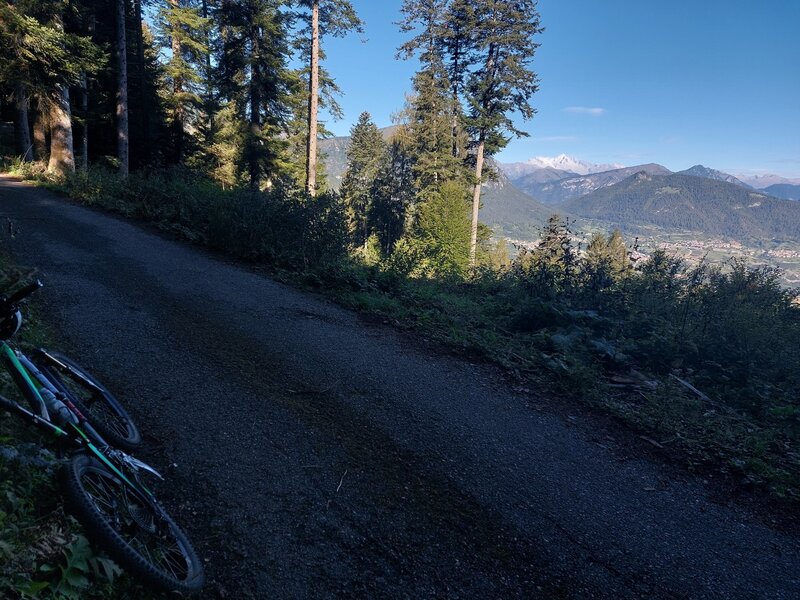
40, 134
143, 99
476, 196
313, 104
209, 102
83, 141
62, 158
177, 90
22, 134
255, 112
122, 91
476, 202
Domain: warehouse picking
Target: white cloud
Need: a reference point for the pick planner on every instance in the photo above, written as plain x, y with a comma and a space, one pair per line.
585, 110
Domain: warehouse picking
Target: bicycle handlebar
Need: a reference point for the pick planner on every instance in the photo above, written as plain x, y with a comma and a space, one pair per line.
7, 304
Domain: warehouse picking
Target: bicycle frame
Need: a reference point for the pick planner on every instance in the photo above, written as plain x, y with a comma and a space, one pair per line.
26, 376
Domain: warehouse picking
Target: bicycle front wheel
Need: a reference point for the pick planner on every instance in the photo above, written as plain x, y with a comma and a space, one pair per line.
103, 411
141, 539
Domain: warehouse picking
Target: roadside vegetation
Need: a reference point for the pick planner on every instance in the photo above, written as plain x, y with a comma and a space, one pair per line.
43, 552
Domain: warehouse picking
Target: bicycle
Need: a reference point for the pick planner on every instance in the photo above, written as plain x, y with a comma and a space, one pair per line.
102, 484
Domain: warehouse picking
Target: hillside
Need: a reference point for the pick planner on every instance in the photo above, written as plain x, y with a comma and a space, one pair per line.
510, 210
787, 191
684, 202
559, 191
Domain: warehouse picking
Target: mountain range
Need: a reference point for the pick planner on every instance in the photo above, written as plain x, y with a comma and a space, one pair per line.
682, 202
523, 195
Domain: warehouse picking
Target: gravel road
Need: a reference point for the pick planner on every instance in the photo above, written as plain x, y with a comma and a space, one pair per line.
313, 455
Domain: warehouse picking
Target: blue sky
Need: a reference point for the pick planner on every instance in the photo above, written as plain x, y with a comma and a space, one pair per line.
715, 82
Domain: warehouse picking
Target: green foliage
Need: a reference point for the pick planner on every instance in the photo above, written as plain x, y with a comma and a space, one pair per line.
550, 268
443, 230
501, 82
367, 150
277, 226
39, 54
184, 32
392, 195
253, 74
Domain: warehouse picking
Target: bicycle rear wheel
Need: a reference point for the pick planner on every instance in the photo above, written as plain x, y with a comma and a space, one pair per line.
103, 411
145, 541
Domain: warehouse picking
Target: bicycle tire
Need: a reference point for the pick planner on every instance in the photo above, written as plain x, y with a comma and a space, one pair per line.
115, 526
103, 411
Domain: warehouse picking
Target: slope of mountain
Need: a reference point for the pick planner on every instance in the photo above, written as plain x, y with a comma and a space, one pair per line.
701, 171
787, 191
684, 202
510, 210
559, 191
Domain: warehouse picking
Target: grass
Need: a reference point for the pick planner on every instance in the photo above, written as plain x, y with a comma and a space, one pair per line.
615, 348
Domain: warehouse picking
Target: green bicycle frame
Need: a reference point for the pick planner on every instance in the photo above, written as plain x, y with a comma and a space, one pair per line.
24, 380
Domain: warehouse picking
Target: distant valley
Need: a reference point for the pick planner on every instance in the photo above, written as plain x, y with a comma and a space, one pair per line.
696, 209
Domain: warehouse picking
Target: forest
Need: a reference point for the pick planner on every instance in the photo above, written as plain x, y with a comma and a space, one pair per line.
230, 93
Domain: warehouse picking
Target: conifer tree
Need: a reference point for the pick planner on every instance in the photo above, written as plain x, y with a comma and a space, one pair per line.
184, 31
393, 197
444, 229
503, 38
41, 62
364, 156
253, 75
432, 132
325, 18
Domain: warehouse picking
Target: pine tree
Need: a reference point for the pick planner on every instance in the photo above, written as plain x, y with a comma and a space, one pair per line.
325, 18
363, 163
184, 32
433, 128
503, 34
443, 230
252, 74
392, 197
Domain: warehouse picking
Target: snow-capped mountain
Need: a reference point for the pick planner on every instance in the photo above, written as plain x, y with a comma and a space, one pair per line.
563, 162
550, 191
760, 182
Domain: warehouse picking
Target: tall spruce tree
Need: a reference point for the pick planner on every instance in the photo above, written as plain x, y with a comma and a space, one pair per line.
503, 34
433, 126
364, 156
393, 197
184, 31
253, 75
334, 18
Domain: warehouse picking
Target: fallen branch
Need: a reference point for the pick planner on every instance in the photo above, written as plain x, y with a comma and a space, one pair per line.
692, 389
